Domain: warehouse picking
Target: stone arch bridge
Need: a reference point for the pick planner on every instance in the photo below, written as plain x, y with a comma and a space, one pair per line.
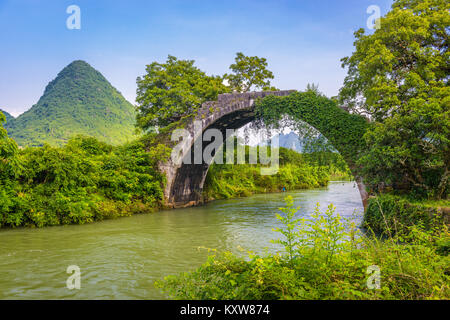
185, 181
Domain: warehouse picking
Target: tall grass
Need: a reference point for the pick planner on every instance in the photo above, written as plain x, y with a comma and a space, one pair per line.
231, 181
296, 171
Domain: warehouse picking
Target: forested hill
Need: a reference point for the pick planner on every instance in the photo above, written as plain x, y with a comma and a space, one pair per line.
9, 117
79, 101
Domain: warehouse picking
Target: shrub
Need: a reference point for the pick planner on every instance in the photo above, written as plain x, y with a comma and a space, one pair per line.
84, 181
388, 214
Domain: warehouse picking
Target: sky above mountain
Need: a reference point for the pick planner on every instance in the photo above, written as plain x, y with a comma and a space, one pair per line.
303, 40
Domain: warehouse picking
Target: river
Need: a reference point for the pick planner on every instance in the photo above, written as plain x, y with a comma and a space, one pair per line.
121, 258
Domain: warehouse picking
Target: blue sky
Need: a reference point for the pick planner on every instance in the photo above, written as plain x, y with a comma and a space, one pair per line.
303, 40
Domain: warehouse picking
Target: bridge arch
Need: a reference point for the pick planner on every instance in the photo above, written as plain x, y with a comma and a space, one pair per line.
184, 184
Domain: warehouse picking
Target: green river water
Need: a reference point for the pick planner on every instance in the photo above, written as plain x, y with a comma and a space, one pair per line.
121, 258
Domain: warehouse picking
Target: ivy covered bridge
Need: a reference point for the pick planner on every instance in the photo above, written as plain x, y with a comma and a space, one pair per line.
185, 179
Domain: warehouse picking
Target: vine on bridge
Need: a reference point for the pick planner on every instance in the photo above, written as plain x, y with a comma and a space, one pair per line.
343, 130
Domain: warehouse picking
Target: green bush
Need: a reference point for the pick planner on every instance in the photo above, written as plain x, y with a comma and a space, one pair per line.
84, 181
387, 214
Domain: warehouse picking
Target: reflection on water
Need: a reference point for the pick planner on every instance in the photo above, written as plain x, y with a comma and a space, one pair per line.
121, 259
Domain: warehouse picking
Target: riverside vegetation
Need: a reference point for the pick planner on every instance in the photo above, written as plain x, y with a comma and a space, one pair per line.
296, 171
84, 181
325, 258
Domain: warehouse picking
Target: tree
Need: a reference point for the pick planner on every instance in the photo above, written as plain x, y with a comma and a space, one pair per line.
399, 76
8, 152
313, 88
172, 90
249, 72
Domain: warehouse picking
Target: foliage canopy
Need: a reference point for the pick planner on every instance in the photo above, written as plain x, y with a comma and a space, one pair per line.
399, 76
177, 88
84, 181
8, 154
249, 72
171, 90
